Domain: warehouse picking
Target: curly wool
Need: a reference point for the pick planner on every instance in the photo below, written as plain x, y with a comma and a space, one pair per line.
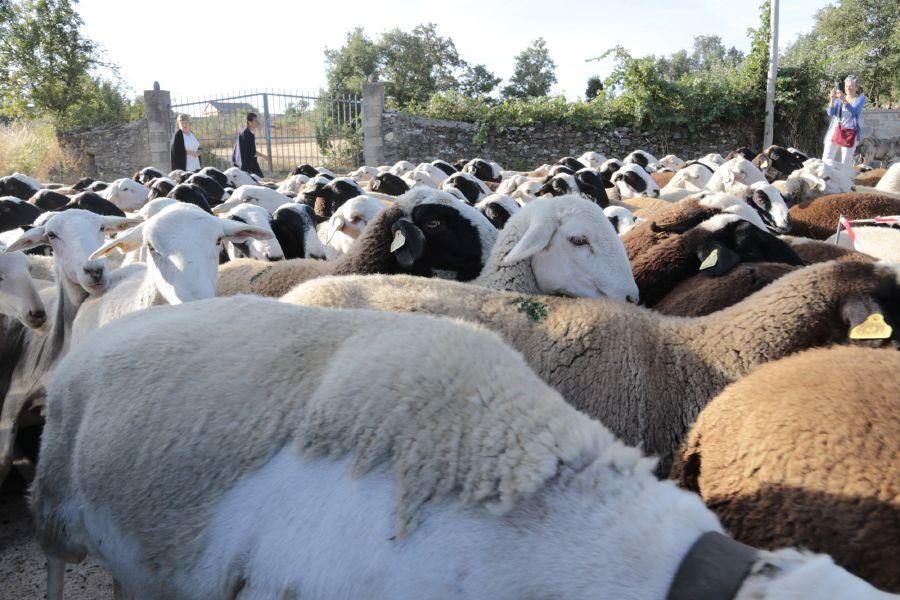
814, 439
818, 218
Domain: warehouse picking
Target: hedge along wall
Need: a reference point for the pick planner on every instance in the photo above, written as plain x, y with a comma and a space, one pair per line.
419, 139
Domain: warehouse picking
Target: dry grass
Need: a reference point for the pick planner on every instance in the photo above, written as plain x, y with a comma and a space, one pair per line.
30, 147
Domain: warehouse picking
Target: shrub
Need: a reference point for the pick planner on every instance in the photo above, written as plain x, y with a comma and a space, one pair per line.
31, 147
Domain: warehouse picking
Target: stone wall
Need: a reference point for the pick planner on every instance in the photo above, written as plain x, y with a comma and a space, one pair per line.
108, 153
882, 124
420, 139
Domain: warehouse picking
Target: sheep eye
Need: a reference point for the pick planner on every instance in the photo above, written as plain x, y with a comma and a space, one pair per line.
433, 224
578, 241
828, 179
52, 236
355, 220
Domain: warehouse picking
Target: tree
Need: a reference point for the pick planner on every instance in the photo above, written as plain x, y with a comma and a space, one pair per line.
349, 66
478, 82
860, 37
417, 64
534, 72
594, 87
48, 68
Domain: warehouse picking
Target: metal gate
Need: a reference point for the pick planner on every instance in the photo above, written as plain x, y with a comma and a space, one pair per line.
293, 129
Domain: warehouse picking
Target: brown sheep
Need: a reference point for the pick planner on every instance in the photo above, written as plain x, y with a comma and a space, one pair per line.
804, 451
818, 218
662, 178
702, 295
869, 178
816, 251
644, 375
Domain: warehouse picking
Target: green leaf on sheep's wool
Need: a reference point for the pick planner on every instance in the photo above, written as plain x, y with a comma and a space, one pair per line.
536, 311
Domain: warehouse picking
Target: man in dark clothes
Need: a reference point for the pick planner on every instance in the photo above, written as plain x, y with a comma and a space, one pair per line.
244, 154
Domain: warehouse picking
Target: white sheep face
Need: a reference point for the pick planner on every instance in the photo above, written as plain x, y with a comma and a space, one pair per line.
733, 173
573, 248
74, 235
769, 203
625, 220
633, 181
18, 296
258, 248
253, 194
237, 178
401, 168
692, 178
592, 159
127, 194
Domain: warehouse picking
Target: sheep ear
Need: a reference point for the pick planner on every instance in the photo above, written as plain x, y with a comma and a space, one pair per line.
536, 238
237, 232
119, 223
728, 177
337, 224
408, 243
125, 241
816, 183
718, 259
34, 237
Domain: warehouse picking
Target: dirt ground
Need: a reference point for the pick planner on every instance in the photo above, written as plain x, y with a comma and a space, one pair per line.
22, 565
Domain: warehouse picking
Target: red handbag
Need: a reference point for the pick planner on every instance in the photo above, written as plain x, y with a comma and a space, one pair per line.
843, 136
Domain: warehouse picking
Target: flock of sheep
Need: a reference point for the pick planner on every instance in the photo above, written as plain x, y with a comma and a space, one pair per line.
612, 364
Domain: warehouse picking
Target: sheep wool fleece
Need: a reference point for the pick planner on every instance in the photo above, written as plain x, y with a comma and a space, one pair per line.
814, 440
472, 421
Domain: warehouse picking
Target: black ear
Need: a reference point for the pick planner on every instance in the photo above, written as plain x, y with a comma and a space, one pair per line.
411, 246
547, 188
725, 259
615, 223
679, 226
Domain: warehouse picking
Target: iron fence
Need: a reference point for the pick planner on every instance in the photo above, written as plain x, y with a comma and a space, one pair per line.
294, 128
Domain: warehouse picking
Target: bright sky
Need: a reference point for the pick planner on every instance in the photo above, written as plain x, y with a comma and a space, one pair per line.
194, 48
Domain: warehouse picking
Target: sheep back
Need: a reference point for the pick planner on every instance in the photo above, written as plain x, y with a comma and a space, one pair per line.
816, 251
803, 452
818, 218
662, 178
701, 295
869, 178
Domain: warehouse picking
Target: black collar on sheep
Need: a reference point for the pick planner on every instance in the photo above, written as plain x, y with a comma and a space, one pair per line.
49, 200
697, 162
214, 192
444, 166
15, 213
94, 203
12, 186
192, 194
390, 184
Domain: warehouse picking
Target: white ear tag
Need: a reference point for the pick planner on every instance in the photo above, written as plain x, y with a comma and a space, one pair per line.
710, 260
399, 240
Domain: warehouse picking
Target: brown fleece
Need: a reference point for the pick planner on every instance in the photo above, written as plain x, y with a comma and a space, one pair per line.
869, 178
644, 375
671, 220
804, 452
701, 295
662, 179
818, 218
816, 251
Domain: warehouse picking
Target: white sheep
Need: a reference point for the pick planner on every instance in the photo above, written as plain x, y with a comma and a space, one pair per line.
640, 157
19, 299
444, 468
237, 178
364, 174
256, 247
292, 184
182, 263
509, 185
738, 170
348, 222
560, 245
526, 192
401, 168
498, 208
622, 219
437, 174
633, 181
714, 159
592, 159
253, 194
127, 194
692, 178
890, 182
671, 161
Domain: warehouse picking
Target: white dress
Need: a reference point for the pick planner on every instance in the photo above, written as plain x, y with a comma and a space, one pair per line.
191, 144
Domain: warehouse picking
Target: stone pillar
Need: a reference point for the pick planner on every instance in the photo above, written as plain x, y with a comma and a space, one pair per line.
372, 109
157, 103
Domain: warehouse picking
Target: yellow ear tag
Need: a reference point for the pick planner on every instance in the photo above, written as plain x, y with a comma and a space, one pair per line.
873, 328
399, 240
711, 260
764, 164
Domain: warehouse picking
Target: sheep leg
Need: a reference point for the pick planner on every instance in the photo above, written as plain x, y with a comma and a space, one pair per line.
56, 574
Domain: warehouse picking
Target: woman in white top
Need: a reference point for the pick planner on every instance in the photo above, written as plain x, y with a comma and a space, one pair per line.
185, 146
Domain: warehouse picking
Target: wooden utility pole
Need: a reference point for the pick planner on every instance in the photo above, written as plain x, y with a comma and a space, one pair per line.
769, 132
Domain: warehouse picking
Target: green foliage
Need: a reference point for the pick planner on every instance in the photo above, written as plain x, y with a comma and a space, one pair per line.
534, 73
536, 311
859, 37
594, 87
349, 66
478, 82
31, 147
46, 66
